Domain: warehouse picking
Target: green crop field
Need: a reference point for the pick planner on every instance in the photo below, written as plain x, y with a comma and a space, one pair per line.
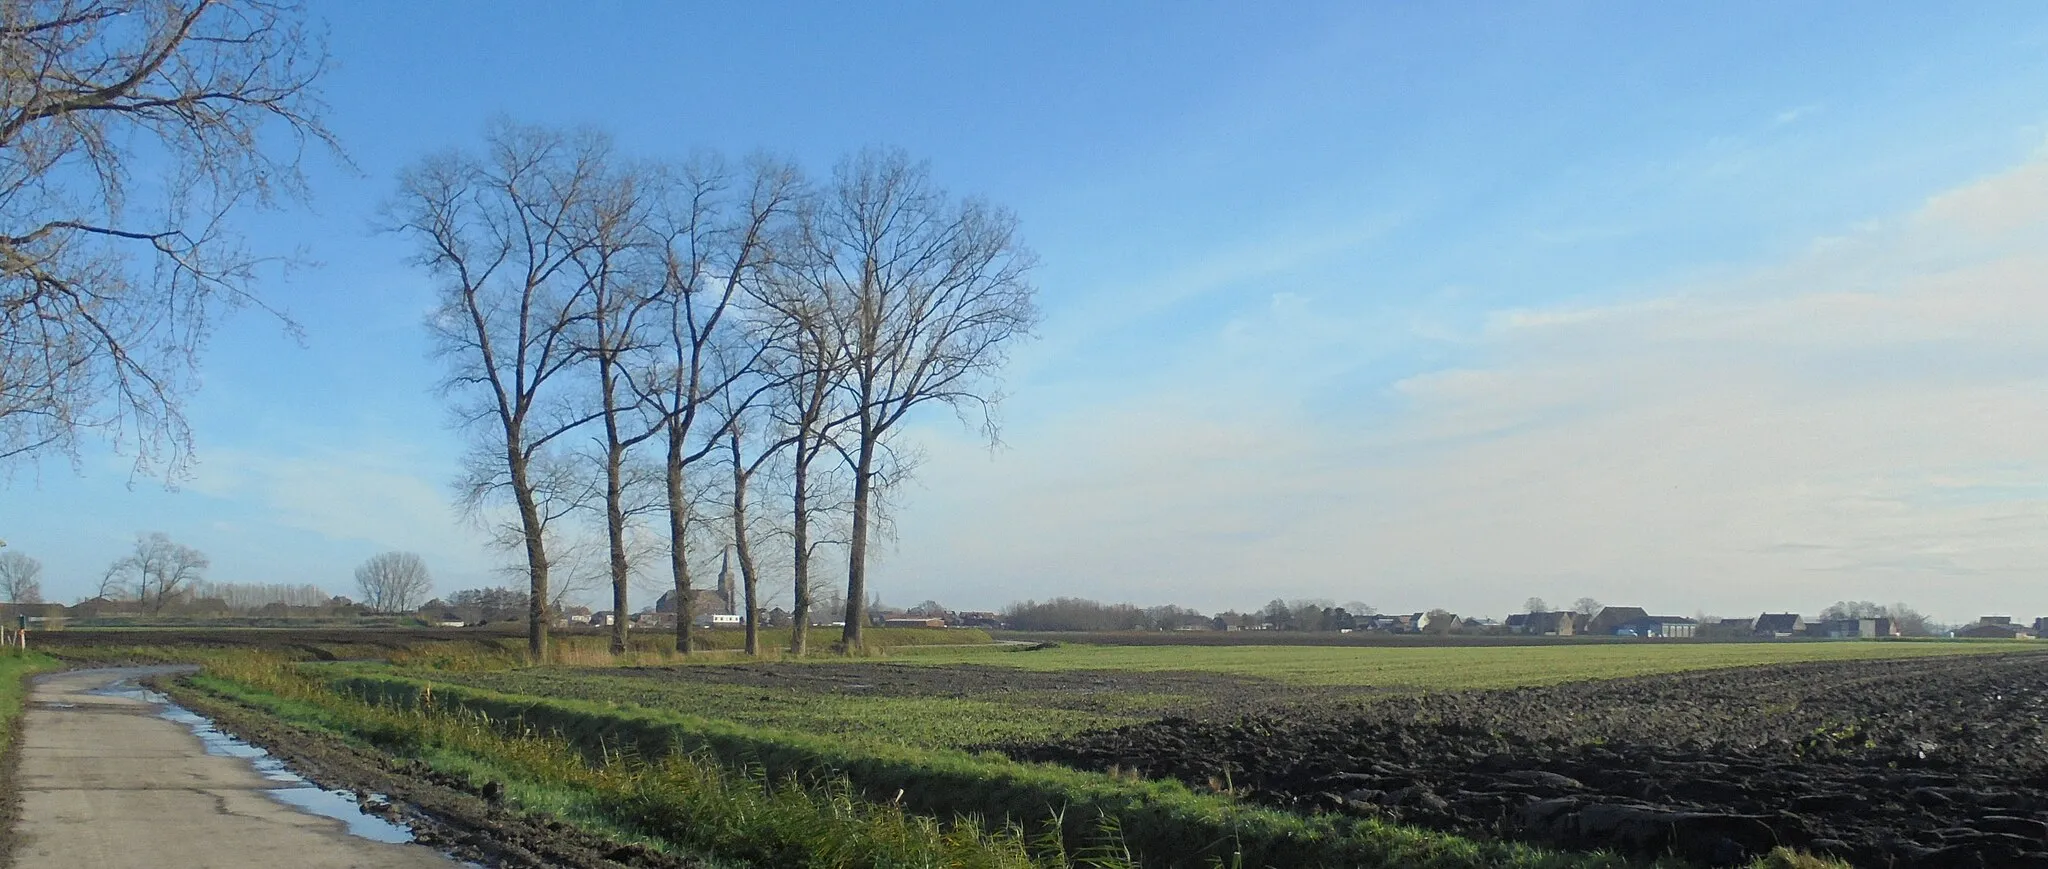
933, 721
1439, 667
977, 697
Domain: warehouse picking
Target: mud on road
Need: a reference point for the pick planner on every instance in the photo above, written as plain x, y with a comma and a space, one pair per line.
1919, 762
463, 818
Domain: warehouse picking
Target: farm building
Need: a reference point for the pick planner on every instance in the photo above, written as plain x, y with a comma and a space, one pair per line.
913, 623
1540, 624
1611, 618
1853, 629
1780, 625
1670, 627
1996, 628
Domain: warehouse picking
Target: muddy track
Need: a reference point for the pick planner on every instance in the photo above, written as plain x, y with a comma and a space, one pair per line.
1920, 762
443, 811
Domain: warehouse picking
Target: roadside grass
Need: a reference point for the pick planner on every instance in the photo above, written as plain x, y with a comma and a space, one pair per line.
679, 804
15, 669
1059, 811
1442, 668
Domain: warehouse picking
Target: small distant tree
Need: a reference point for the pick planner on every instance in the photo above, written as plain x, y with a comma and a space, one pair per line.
157, 569
1585, 606
928, 609
1361, 608
20, 578
1439, 621
1908, 621
393, 581
492, 604
1535, 605
1852, 609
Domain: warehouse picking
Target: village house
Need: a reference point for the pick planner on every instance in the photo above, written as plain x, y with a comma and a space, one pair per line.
1540, 624
1550, 624
1996, 628
1780, 625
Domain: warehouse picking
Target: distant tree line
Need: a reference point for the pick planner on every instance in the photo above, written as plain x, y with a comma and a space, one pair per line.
1080, 614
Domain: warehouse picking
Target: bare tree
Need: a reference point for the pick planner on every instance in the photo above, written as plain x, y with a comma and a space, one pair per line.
577, 566
106, 297
157, 568
21, 578
719, 232
1908, 621
925, 294
1585, 606
1439, 621
496, 229
393, 581
619, 291
807, 363
114, 582
1535, 605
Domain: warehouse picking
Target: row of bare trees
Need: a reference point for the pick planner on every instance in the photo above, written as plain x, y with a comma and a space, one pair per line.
612, 325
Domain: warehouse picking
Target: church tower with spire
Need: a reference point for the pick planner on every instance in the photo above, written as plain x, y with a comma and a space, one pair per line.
726, 591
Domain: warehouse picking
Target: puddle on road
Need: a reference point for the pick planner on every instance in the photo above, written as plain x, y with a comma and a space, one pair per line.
295, 790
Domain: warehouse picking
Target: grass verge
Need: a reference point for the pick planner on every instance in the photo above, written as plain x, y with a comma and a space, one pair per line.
680, 803
15, 670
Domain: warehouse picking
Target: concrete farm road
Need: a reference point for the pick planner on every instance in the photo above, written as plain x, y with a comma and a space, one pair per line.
105, 782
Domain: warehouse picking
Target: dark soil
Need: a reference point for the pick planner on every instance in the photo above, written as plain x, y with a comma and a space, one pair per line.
320, 644
1923, 762
444, 811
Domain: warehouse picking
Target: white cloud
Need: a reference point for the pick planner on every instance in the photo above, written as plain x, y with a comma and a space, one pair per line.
379, 497
1862, 420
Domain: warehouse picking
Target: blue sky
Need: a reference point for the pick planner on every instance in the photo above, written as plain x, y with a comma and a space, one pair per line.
1718, 308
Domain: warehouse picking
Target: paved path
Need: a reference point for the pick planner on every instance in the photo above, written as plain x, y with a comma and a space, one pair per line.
107, 783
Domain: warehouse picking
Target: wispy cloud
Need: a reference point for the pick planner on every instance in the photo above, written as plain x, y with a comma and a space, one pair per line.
1781, 437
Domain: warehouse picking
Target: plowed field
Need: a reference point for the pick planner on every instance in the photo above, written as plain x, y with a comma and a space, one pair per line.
1919, 762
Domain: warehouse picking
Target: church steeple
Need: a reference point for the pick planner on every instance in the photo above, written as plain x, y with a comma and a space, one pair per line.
725, 586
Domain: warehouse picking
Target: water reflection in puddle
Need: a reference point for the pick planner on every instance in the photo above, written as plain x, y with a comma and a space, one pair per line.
296, 792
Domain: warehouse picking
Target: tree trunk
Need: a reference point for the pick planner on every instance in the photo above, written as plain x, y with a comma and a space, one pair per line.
615, 531
800, 559
751, 611
536, 557
857, 550
678, 550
